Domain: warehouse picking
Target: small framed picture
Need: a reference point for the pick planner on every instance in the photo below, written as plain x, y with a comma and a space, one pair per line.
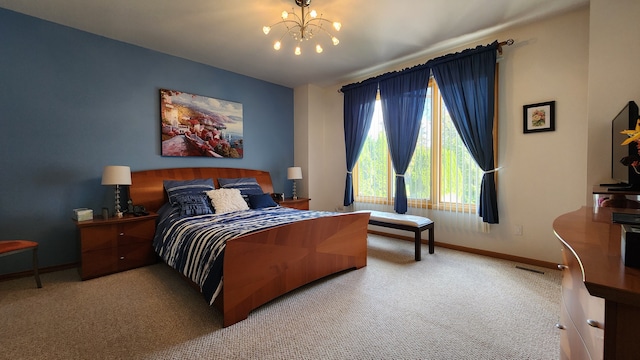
539, 117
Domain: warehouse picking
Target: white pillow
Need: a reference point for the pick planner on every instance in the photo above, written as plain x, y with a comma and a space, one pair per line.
227, 200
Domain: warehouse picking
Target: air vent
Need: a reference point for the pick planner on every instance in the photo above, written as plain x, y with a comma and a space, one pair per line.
527, 269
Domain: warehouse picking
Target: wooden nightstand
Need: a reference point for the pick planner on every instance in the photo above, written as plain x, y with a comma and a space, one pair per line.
115, 244
299, 203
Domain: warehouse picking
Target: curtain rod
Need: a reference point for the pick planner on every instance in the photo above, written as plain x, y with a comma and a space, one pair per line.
507, 42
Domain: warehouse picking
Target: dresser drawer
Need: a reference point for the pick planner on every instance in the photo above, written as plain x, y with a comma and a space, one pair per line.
586, 312
98, 237
571, 345
98, 262
135, 255
136, 232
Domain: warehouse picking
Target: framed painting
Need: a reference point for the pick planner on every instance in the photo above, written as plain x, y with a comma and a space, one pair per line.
195, 125
539, 117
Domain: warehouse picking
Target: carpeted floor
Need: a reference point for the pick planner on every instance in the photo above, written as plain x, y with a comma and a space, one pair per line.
450, 305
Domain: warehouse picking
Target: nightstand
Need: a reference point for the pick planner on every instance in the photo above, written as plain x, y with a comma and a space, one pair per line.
299, 203
116, 244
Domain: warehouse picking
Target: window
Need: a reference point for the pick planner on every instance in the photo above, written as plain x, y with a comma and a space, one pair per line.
442, 174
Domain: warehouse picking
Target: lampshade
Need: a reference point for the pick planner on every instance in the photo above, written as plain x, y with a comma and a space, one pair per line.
294, 173
116, 175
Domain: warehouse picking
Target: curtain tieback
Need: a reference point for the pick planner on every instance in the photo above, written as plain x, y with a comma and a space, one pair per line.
493, 170
399, 175
349, 172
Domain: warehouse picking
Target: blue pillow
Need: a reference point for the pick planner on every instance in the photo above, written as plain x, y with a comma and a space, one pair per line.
247, 186
180, 187
193, 204
261, 201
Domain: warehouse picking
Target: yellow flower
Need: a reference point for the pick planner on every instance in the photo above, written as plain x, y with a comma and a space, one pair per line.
634, 135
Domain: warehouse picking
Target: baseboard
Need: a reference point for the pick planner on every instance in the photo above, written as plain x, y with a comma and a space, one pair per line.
534, 262
496, 255
11, 276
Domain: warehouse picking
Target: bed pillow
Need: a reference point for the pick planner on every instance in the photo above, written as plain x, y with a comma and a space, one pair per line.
227, 200
261, 201
247, 186
194, 204
178, 187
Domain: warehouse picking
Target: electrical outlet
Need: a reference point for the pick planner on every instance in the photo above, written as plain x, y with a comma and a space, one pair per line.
518, 230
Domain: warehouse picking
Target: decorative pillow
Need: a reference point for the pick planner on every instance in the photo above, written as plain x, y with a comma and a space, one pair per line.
194, 204
261, 201
177, 187
227, 200
247, 186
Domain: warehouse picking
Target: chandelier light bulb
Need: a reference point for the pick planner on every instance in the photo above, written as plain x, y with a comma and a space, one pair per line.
305, 25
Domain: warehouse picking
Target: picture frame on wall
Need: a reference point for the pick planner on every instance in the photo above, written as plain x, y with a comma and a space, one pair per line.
539, 117
197, 125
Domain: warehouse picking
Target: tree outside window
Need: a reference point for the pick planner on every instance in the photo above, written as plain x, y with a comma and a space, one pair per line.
442, 174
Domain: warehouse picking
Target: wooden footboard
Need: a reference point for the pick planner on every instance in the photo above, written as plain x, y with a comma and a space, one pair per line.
264, 265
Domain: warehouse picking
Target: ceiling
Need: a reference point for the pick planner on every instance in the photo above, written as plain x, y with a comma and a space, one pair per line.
227, 34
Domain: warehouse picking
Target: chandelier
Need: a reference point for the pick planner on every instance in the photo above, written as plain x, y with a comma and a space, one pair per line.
304, 27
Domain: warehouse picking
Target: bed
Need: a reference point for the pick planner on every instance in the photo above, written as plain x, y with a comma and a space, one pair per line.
259, 266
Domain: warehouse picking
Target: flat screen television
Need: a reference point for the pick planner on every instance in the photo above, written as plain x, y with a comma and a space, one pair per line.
628, 177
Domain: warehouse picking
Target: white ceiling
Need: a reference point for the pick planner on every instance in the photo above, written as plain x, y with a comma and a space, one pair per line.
227, 34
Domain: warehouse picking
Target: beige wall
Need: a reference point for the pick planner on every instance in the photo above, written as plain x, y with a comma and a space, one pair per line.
543, 174
315, 147
614, 76
302, 115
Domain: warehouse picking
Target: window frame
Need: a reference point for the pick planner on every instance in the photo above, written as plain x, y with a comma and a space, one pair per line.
434, 202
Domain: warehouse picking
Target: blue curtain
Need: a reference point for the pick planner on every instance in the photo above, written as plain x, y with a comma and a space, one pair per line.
359, 103
467, 81
403, 96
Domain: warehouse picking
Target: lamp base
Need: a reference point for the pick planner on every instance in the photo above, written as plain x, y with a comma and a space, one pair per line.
117, 212
295, 196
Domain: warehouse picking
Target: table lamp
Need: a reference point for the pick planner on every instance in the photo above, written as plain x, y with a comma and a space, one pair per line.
116, 175
294, 173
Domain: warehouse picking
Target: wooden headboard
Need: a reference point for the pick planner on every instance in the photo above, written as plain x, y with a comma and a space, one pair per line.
147, 186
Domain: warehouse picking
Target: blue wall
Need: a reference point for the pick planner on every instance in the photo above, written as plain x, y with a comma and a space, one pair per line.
72, 102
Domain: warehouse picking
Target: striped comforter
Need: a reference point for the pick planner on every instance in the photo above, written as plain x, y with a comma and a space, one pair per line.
194, 245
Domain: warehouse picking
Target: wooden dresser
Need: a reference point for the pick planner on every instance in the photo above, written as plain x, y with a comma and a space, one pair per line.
299, 203
600, 311
115, 244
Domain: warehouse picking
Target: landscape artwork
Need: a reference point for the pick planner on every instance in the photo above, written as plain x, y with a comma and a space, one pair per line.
194, 125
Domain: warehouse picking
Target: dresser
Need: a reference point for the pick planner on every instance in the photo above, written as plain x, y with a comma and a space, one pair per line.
600, 311
299, 203
115, 244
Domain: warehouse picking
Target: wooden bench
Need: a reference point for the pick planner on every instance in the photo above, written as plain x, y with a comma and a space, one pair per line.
414, 223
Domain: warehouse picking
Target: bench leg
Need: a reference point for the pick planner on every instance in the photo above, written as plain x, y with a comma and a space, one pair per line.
35, 267
431, 240
418, 241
